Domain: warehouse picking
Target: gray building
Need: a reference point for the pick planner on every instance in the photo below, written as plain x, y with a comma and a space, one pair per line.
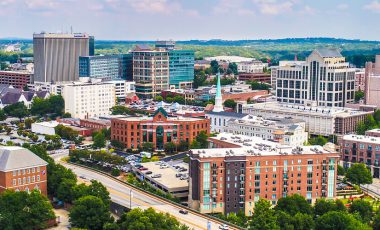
56, 56
108, 67
324, 79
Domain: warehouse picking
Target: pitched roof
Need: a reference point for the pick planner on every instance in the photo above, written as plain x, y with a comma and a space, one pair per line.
142, 47
28, 95
5, 90
14, 157
328, 52
10, 98
41, 94
162, 110
228, 114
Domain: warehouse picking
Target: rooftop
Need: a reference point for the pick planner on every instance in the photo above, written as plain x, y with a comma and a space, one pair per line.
256, 146
228, 114
49, 124
328, 52
14, 157
362, 138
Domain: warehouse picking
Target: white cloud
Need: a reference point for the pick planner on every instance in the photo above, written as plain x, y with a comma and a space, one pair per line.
374, 6
342, 6
272, 7
232, 6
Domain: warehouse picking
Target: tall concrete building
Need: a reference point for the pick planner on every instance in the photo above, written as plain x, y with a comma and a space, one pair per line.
324, 79
56, 56
372, 82
150, 71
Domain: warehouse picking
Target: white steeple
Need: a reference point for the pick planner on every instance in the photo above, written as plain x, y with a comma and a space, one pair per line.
218, 107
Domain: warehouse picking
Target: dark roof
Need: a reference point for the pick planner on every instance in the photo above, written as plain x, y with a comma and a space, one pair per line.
41, 94
28, 95
5, 90
228, 114
10, 98
328, 52
162, 111
142, 47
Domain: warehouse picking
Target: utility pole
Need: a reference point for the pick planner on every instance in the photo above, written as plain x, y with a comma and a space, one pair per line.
130, 199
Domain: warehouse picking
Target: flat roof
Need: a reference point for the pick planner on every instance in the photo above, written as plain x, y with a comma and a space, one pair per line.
49, 124
256, 146
362, 138
168, 175
169, 119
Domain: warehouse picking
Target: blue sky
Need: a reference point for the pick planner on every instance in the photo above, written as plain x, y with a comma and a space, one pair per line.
193, 19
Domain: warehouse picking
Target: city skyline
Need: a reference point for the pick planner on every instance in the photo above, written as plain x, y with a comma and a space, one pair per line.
186, 20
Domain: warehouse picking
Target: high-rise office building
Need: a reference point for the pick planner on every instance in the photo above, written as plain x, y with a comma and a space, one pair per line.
108, 67
150, 71
56, 56
181, 64
324, 79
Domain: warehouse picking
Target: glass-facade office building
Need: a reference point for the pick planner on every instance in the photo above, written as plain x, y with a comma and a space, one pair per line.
108, 67
181, 67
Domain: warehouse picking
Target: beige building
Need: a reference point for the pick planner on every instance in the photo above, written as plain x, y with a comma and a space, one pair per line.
372, 84
89, 99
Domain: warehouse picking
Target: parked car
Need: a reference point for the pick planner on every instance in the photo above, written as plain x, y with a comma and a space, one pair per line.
148, 172
183, 211
224, 227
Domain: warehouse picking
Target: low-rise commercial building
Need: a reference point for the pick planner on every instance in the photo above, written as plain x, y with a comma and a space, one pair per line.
261, 77
251, 66
361, 149
18, 79
95, 124
45, 128
158, 129
319, 120
22, 170
234, 177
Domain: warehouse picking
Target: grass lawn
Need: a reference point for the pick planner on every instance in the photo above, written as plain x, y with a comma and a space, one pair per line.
372, 201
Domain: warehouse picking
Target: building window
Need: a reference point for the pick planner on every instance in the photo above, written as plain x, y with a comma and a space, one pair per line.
14, 172
38, 177
14, 182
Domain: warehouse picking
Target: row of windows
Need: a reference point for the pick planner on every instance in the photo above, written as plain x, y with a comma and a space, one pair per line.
25, 171
25, 180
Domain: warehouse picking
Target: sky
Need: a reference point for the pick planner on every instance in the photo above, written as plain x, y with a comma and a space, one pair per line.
193, 19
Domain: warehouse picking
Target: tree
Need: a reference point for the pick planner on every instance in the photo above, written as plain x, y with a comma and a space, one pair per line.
99, 140
359, 174
170, 147
195, 145
202, 139
22, 210
339, 221
319, 140
293, 204
65, 190
89, 212
18, 110
183, 145
376, 115
120, 110
40, 106
214, 66
359, 95
230, 103
3, 116
179, 99
66, 115
97, 189
341, 170
57, 104
233, 68
158, 98
361, 128
300, 221
264, 217
255, 85
323, 206
363, 208
147, 146
117, 144
376, 221
28, 123
148, 219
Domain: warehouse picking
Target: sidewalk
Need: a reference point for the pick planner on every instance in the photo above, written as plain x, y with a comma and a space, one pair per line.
64, 219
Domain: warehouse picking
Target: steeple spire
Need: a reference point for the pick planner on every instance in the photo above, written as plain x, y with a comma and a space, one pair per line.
218, 107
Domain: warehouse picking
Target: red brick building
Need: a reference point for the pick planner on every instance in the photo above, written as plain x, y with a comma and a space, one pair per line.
22, 170
95, 124
158, 129
245, 169
17, 79
261, 77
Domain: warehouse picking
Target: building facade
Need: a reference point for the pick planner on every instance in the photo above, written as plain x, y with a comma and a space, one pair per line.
123, 89
22, 170
361, 149
18, 79
56, 56
108, 67
181, 67
372, 82
158, 129
89, 99
319, 120
324, 79
229, 179
251, 67
150, 71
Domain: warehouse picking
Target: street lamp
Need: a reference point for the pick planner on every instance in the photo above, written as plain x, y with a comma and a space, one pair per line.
130, 199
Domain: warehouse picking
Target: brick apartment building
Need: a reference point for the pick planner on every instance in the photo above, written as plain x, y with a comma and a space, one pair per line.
18, 79
158, 129
245, 169
22, 170
261, 77
95, 124
362, 149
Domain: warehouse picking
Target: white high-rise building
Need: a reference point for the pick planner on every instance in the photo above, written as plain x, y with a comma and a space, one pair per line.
89, 99
324, 79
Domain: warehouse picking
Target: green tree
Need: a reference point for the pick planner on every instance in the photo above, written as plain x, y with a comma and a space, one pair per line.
40, 106
148, 146
319, 140
158, 98
361, 128
202, 139
18, 110
3, 116
195, 145
65, 190
255, 85
214, 66
363, 208
120, 110
376, 115
28, 123
264, 217
148, 219
341, 170
300, 221
99, 140
233, 68
89, 212
339, 221
359, 95
117, 144
376, 221
97, 189
323, 206
230, 103
66, 115
57, 104
359, 174
170, 147
22, 210
183, 145
293, 204
179, 99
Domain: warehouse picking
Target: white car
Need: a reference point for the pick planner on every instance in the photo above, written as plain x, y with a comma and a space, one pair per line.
224, 227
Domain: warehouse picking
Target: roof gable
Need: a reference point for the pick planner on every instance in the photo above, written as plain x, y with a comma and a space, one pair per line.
13, 157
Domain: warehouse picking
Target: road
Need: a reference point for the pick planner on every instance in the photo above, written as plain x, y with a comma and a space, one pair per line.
120, 193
